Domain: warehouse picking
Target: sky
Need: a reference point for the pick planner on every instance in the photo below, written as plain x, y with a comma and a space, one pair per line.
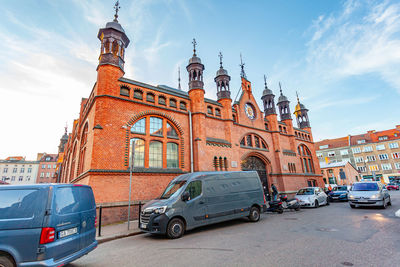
343, 58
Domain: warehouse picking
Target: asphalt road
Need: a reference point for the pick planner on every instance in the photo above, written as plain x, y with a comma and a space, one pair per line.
334, 235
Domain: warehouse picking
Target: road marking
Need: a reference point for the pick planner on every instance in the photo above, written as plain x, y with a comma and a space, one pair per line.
397, 213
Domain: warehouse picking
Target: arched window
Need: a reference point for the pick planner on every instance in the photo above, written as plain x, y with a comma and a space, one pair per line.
172, 155
218, 112
226, 163
234, 118
172, 103
306, 159
155, 142
182, 106
221, 164
83, 148
150, 97
124, 91
138, 94
107, 46
216, 163
266, 126
162, 100
253, 140
210, 110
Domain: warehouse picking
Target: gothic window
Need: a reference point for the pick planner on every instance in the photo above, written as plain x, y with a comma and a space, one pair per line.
256, 141
172, 155
150, 97
280, 128
162, 100
155, 154
217, 112
242, 142
172, 103
138, 94
216, 163
122, 52
263, 145
124, 91
266, 126
154, 141
107, 46
209, 110
234, 118
115, 48
221, 164
305, 157
139, 126
83, 148
226, 163
183, 105
248, 139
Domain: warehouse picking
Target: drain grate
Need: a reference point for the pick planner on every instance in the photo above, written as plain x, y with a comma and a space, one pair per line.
346, 263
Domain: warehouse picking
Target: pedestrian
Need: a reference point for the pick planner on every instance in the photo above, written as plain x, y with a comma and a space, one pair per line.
274, 192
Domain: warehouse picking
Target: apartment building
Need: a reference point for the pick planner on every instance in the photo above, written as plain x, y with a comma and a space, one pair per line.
17, 170
376, 154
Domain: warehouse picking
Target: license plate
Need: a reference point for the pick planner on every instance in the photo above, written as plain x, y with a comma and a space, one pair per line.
143, 225
335, 197
68, 232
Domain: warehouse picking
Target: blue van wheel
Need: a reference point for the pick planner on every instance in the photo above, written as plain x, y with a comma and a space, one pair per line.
175, 228
6, 262
254, 215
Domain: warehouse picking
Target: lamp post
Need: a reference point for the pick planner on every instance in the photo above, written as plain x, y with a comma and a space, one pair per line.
130, 181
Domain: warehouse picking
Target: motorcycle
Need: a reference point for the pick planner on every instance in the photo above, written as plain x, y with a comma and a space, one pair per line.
292, 204
274, 205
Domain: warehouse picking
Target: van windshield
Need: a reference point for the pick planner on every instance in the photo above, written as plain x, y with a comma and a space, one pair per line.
365, 187
173, 188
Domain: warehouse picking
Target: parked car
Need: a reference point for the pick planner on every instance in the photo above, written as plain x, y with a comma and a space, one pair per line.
196, 199
392, 186
312, 197
46, 224
369, 193
338, 193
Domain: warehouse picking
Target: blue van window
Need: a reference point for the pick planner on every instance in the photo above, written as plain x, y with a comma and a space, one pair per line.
194, 189
17, 204
74, 199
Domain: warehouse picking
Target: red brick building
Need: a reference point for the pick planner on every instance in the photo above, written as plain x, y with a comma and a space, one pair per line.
47, 168
173, 131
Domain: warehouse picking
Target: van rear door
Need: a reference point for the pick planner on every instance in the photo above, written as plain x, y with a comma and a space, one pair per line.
88, 215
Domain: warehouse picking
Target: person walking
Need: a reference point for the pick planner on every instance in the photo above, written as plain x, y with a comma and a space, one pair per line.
274, 192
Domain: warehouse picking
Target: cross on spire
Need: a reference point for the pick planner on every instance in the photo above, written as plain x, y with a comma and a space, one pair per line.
117, 8
242, 73
179, 78
194, 47
280, 88
298, 101
220, 59
265, 81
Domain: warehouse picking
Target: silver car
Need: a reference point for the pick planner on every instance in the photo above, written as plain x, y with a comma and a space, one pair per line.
312, 197
369, 193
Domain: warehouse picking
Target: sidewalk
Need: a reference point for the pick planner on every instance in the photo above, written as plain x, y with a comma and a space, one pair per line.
115, 231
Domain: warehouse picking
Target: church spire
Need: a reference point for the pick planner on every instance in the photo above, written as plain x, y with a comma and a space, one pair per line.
222, 80
195, 70
117, 8
268, 99
283, 104
301, 113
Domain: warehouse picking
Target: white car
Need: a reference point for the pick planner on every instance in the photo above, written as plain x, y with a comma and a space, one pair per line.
312, 197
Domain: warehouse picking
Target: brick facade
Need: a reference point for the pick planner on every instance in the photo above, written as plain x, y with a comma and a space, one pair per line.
98, 149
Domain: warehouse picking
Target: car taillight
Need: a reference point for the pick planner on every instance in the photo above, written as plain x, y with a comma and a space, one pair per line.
48, 235
95, 221
265, 202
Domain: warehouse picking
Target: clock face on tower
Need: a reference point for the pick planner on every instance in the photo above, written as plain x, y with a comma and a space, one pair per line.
249, 110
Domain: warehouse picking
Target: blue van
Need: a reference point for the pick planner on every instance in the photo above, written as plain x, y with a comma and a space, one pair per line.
46, 224
201, 198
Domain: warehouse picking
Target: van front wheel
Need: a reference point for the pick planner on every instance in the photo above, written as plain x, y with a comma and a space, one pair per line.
6, 262
254, 215
175, 228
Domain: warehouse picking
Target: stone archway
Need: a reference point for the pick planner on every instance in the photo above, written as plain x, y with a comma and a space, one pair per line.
253, 163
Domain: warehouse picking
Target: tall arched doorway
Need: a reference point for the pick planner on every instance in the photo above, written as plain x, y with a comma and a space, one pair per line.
253, 163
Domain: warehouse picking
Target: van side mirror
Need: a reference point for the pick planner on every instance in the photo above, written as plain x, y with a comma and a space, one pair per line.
185, 196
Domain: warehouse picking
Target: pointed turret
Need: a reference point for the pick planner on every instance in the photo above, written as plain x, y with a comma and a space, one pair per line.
63, 141
195, 70
283, 105
222, 80
301, 113
268, 100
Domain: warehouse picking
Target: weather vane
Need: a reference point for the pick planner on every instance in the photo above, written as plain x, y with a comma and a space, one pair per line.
179, 78
265, 81
297, 97
117, 8
242, 73
194, 46
280, 88
220, 59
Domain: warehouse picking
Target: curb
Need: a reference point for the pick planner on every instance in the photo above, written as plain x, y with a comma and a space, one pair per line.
107, 239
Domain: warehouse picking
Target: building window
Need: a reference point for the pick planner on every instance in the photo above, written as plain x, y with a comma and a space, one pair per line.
215, 163
138, 159
49, 166
306, 159
356, 150
155, 154
266, 126
47, 174
362, 169
209, 110
54, 166
248, 139
124, 91
28, 178
162, 100
156, 126
5, 170
42, 174
172, 103
344, 152
374, 168
19, 178
397, 165
396, 155
256, 141
159, 133
367, 149
331, 153
361, 142
226, 163
14, 170
139, 126
319, 155
22, 170
182, 106
371, 158
172, 155
359, 159
29, 170
217, 112
380, 147
44, 166
150, 97
383, 156
138, 94
393, 145
381, 138
323, 147
386, 166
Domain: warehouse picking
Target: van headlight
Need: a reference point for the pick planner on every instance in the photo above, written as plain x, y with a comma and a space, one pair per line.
351, 196
160, 210
376, 196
